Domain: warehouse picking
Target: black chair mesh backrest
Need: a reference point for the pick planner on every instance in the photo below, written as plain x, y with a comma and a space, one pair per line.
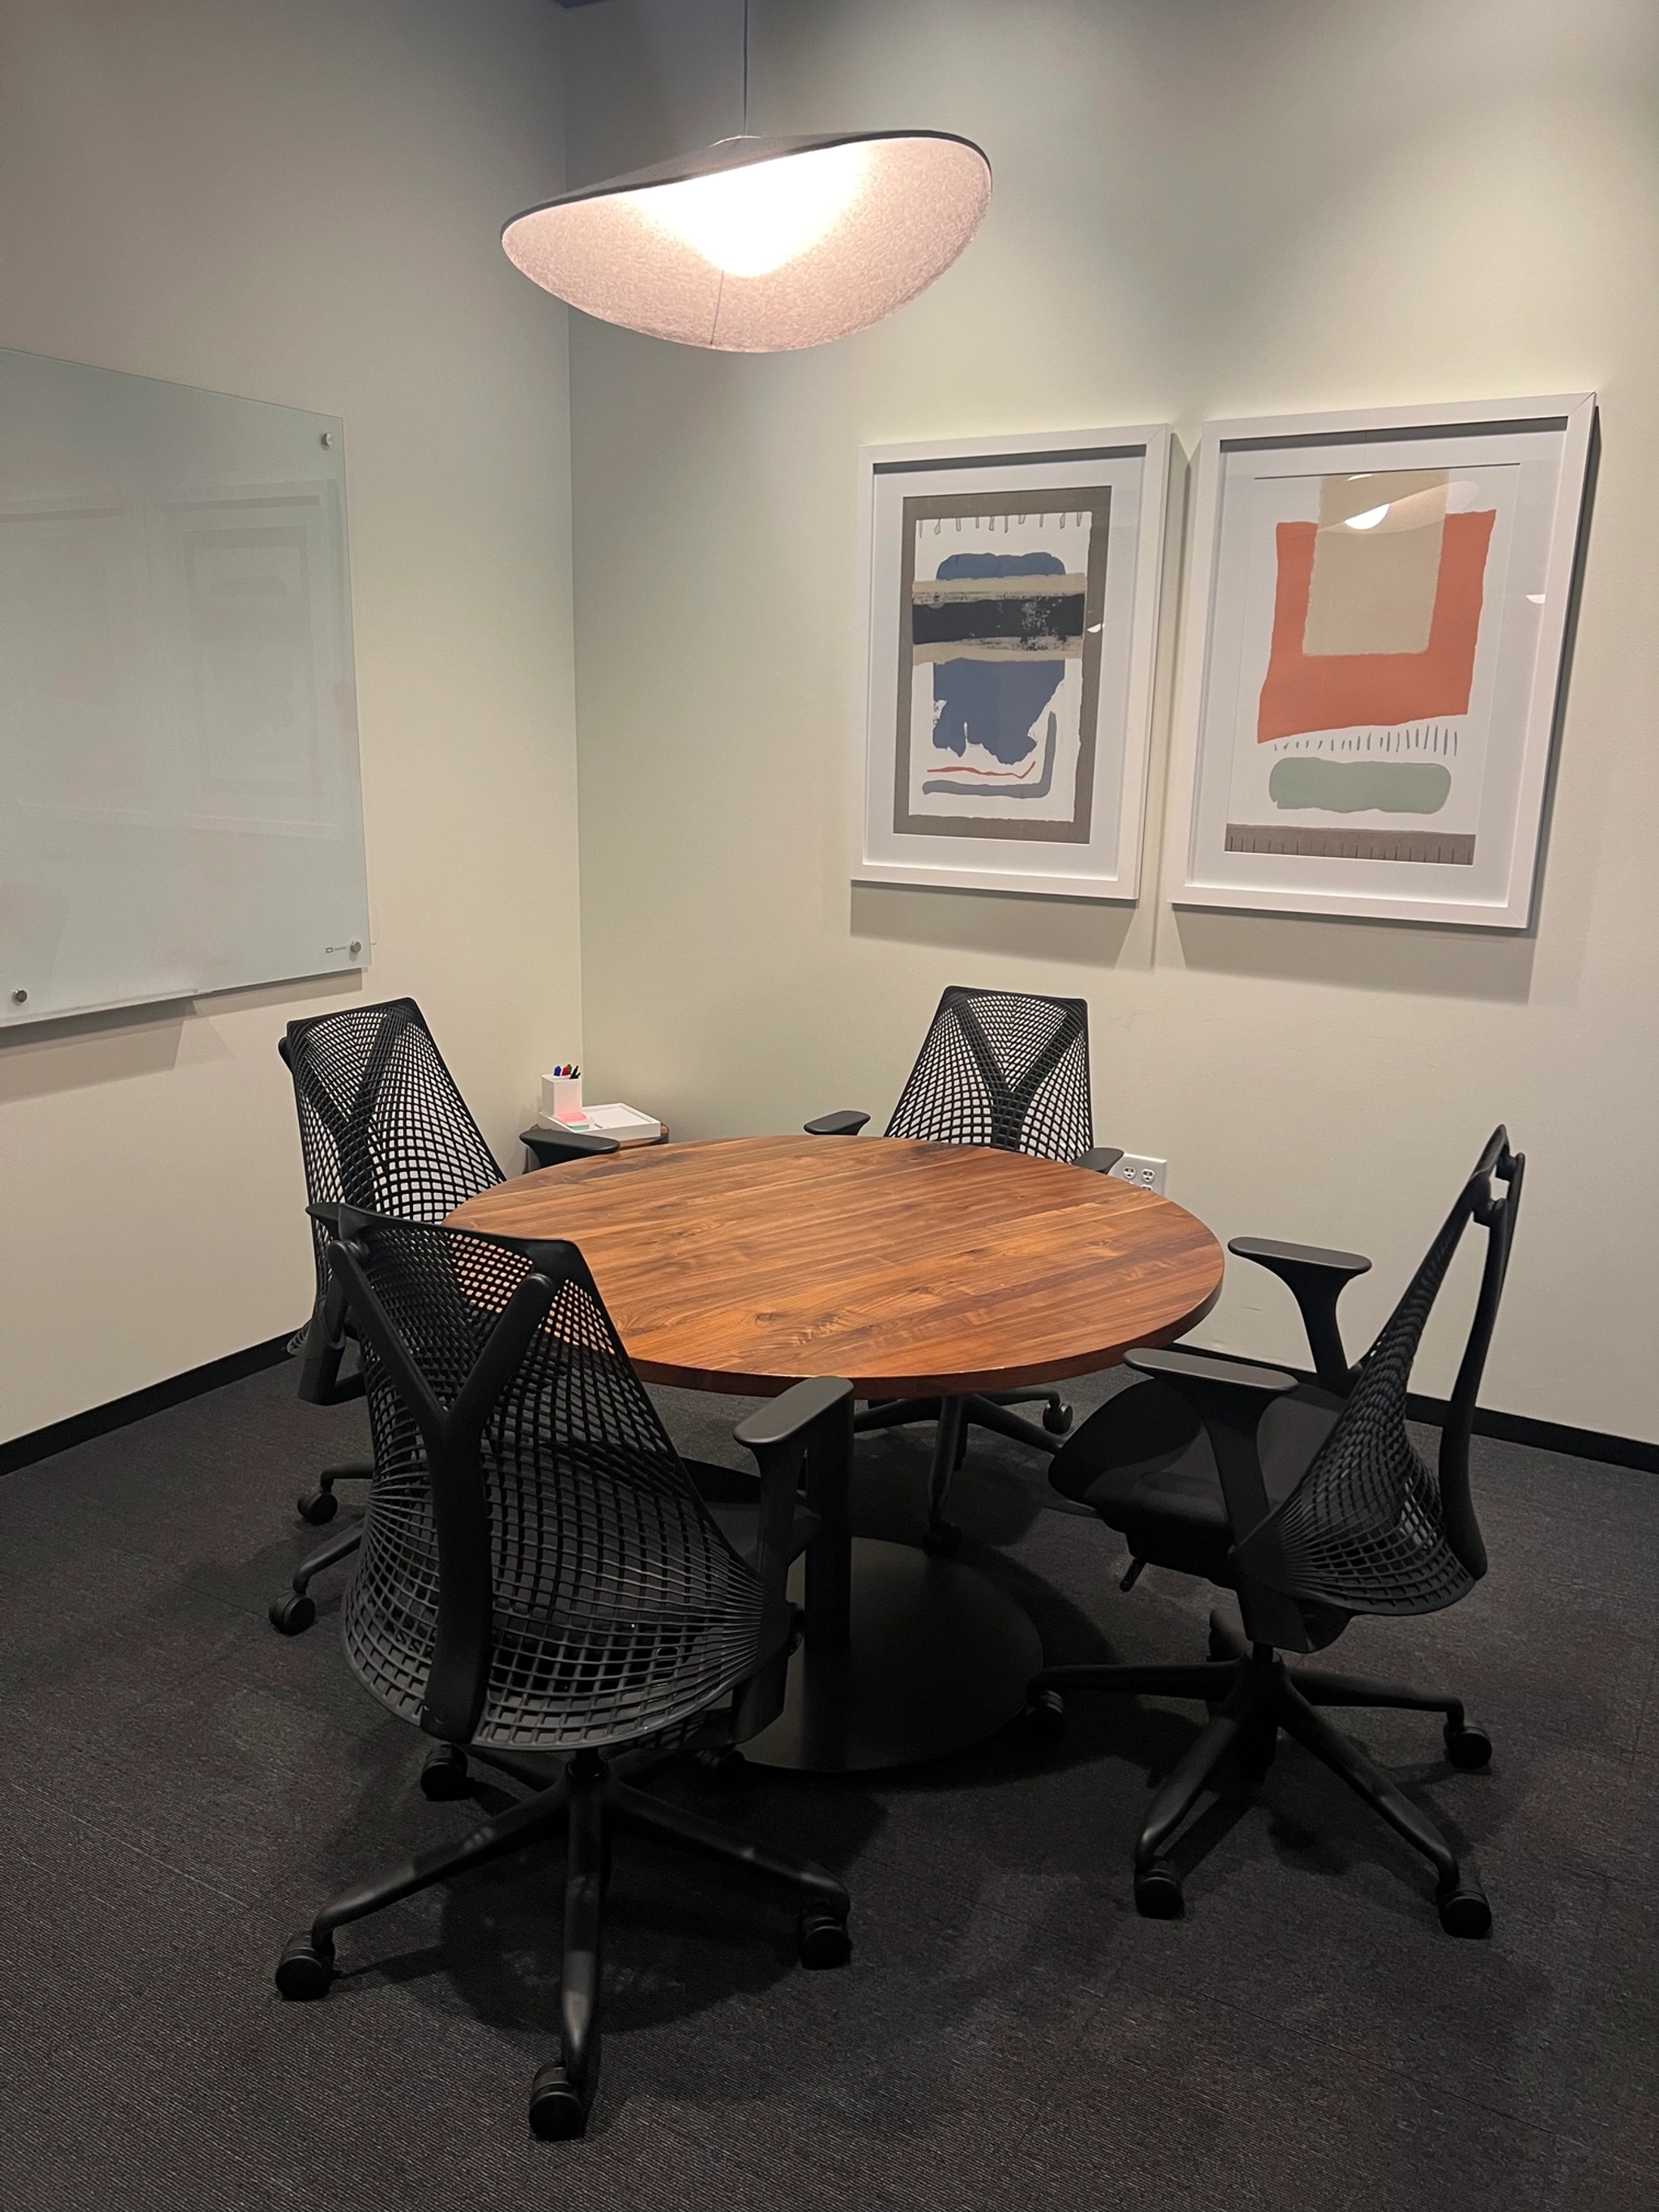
1371, 1526
382, 1125
619, 1609
1005, 1068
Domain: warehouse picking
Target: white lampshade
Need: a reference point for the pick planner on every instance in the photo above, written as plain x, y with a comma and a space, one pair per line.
761, 245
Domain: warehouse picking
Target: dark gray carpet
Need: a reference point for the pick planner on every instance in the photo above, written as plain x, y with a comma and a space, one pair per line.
182, 1787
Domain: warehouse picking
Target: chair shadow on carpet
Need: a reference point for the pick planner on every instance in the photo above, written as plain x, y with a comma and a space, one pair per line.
682, 1938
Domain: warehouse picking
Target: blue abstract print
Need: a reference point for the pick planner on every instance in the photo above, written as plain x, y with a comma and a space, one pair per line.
994, 696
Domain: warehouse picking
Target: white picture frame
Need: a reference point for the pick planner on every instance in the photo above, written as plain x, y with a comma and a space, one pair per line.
1078, 769
1461, 602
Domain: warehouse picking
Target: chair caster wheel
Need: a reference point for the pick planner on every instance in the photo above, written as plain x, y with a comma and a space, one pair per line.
820, 1938
305, 1969
293, 1613
1058, 1419
1045, 1716
943, 1539
1468, 1747
723, 1769
445, 1776
1158, 1892
1464, 1911
317, 1506
558, 2110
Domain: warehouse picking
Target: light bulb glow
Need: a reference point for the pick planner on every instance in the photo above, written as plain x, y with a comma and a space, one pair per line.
749, 222
1369, 518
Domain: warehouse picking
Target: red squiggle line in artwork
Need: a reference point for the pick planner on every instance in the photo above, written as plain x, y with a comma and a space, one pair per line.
996, 774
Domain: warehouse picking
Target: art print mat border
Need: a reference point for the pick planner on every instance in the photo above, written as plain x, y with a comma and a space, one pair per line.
1574, 414
1155, 578
946, 506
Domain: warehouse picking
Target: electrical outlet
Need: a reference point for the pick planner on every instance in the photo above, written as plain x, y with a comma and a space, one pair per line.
1144, 1173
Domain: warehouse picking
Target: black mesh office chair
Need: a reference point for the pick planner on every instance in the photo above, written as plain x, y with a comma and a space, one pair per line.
1008, 1069
382, 1125
539, 1575
1311, 1502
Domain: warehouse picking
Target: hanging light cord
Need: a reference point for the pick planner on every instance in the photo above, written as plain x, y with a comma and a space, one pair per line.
746, 68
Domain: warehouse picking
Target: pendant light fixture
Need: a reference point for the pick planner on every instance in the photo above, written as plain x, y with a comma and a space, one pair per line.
761, 245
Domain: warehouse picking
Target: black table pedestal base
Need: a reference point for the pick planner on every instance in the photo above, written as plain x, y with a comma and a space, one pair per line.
938, 1658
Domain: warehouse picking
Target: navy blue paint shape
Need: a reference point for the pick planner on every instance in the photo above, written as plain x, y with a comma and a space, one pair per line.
991, 703
994, 704
965, 567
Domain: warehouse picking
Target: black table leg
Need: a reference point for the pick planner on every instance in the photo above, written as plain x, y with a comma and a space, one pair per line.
937, 1657
906, 1657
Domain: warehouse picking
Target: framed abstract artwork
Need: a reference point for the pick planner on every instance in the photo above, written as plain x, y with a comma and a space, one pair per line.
1010, 588
1377, 607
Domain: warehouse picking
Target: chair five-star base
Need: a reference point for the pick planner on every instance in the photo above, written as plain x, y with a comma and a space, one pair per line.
1252, 1695
589, 1804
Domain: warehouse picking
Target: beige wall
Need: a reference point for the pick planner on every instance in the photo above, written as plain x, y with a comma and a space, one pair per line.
1202, 209
300, 201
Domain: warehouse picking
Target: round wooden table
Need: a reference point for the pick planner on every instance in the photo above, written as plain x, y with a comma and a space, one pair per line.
912, 1270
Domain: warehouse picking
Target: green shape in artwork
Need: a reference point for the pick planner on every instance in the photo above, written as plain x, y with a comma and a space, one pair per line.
1360, 786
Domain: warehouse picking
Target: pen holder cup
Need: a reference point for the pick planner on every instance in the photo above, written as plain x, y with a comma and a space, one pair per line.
561, 1098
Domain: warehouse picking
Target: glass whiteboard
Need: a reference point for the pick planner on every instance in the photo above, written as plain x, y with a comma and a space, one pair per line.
180, 810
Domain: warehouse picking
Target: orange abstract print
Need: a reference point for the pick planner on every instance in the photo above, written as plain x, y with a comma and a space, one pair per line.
1308, 691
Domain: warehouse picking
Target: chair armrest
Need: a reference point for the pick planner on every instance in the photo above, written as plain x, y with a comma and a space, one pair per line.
1171, 1365
1267, 1252
322, 1353
846, 1124
810, 1420
326, 1336
1316, 1280
1101, 1159
781, 1420
553, 1146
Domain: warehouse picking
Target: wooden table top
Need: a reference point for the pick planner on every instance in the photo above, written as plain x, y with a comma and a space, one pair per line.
910, 1268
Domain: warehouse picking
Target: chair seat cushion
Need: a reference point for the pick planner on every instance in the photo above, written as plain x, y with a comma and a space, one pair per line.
1143, 1463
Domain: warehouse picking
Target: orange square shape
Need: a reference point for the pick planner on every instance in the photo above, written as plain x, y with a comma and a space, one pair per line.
1343, 691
